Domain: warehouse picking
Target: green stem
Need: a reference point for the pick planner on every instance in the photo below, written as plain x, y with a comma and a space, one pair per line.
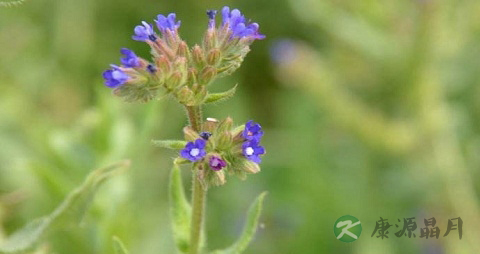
194, 117
198, 191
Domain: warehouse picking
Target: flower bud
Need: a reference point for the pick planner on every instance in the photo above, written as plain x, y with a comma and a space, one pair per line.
210, 125
225, 125
163, 64
190, 134
198, 56
250, 167
224, 140
181, 65
196, 87
237, 134
192, 75
214, 56
171, 37
174, 81
200, 95
216, 162
207, 75
218, 178
182, 49
185, 95
210, 39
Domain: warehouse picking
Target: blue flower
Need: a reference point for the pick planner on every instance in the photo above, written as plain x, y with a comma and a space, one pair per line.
144, 32
164, 23
205, 135
253, 131
238, 25
115, 77
211, 18
151, 68
252, 151
130, 60
194, 151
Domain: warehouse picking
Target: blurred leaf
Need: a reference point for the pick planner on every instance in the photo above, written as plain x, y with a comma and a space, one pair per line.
170, 144
180, 210
77, 202
249, 229
216, 97
119, 246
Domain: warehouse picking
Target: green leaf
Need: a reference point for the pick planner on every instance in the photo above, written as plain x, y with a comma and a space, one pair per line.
170, 144
119, 246
216, 97
75, 204
249, 229
180, 210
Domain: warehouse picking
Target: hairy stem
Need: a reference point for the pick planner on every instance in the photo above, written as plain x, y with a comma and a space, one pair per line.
194, 116
198, 191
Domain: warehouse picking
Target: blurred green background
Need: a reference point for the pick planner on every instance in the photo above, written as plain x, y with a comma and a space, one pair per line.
371, 108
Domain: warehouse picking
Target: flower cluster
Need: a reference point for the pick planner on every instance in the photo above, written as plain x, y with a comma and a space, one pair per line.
177, 70
221, 148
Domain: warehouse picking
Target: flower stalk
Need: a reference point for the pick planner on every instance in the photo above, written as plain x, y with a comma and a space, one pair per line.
199, 193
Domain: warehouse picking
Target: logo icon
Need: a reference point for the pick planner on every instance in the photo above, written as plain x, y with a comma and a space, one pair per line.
347, 228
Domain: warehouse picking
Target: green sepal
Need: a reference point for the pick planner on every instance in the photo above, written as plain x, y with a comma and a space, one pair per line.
119, 247
180, 211
170, 144
249, 229
216, 97
75, 204
136, 92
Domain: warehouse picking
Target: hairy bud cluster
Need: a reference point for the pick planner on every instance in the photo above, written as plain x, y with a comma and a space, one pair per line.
177, 70
221, 149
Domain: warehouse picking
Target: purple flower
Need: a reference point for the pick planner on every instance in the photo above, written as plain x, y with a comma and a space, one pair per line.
211, 16
253, 131
130, 60
115, 77
194, 151
252, 150
164, 23
239, 26
144, 32
216, 163
205, 135
151, 68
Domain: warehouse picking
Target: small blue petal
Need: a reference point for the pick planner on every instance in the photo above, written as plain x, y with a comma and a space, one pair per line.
115, 77
238, 25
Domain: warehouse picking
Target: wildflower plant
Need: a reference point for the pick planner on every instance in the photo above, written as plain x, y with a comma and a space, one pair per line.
215, 148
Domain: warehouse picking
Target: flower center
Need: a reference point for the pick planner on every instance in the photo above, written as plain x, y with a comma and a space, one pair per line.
215, 163
249, 151
117, 74
194, 152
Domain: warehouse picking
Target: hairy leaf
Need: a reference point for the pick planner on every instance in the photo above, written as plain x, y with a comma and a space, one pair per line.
76, 203
119, 246
249, 229
180, 210
216, 97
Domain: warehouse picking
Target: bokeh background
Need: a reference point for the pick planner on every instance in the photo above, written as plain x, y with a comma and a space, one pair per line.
370, 108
